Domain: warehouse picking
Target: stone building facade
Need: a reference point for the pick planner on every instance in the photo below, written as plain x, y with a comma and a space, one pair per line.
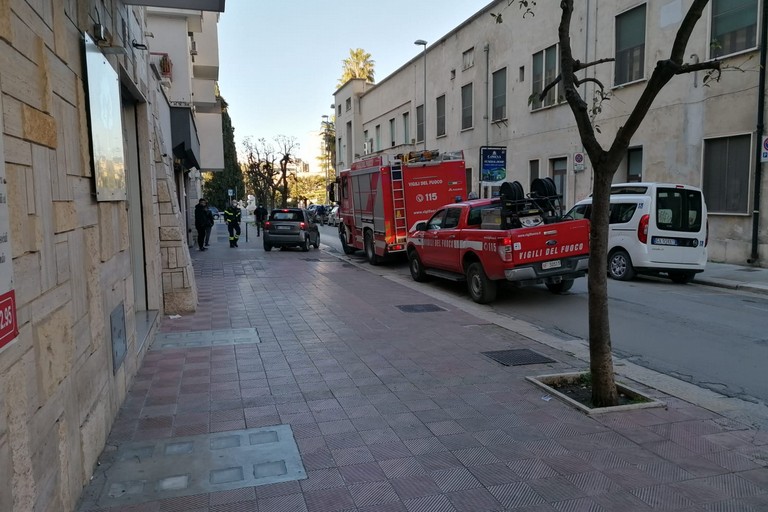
85, 280
480, 76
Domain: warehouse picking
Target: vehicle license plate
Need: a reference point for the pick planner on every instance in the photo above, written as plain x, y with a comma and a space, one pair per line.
664, 241
547, 265
283, 227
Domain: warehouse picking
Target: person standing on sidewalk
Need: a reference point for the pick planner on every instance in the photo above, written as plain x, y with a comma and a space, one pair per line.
209, 215
261, 216
232, 218
201, 221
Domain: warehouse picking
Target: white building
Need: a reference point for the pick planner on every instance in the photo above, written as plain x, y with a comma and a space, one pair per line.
479, 78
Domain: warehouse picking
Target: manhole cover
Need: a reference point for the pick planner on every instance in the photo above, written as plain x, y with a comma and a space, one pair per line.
420, 308
518, 357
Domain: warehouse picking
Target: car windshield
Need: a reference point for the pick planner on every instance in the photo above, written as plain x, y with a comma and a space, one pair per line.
289, 215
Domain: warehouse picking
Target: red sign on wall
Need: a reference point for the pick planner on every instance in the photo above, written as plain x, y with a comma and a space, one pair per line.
9, 328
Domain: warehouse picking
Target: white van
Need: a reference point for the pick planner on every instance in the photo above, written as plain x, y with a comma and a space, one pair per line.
654, 228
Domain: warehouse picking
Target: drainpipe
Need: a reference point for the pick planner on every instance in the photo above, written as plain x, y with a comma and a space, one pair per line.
487, 51
755, 257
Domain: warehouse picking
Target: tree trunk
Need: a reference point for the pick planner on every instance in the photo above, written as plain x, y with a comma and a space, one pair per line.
604, 392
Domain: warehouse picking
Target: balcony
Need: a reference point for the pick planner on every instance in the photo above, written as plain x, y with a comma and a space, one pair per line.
199, 5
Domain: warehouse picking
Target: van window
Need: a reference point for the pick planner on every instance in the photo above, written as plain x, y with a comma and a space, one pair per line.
679, 210
580, 211
622, 213
629, 189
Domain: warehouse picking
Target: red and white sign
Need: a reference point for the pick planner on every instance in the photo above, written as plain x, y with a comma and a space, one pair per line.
9, 328
579, 162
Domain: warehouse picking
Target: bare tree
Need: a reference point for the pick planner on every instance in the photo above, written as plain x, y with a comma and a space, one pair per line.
286, 146
261, 170
605, 162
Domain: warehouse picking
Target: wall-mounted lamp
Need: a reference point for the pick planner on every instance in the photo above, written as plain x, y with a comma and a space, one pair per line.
139, 46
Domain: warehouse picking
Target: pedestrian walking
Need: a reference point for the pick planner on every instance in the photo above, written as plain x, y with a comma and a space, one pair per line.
261, 216
201, 221
232, 217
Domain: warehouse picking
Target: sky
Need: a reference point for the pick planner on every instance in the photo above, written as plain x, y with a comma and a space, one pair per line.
280, 62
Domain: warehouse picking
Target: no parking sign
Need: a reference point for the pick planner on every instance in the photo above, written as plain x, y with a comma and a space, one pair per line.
764, 150
579, 162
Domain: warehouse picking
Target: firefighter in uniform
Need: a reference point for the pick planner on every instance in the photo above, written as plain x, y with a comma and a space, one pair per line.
232, 218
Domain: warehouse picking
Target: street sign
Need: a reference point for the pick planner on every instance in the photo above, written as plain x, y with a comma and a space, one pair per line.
579, 162
493, 163
230, 192
764, 150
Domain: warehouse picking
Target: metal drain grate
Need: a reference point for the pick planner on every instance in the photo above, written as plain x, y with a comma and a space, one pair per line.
518, 357
420, 308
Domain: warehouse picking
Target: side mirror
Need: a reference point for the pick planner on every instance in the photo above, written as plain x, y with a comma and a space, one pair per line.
420, 226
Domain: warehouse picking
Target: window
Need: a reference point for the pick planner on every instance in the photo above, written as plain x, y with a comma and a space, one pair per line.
634, 165
366, 143
440, 109
451, 218
468, 58
621, 213
726, 174
559, 169
406, 128
630, 46
420, 123
436, 221
348, 104
466, 107
392, 133
734, 26
377, 131
338, 107
545, 69
678, 210
533, 171
499, 110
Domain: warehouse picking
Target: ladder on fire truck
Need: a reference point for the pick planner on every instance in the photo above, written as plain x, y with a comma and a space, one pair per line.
398, 201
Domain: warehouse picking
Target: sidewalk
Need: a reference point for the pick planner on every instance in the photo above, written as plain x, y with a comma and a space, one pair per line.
735, 277
391, 406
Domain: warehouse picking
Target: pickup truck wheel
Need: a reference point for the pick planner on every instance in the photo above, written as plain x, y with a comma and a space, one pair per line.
370, 250
620, 266
481, 289
561, 287
681, 277
417, 269
348, 249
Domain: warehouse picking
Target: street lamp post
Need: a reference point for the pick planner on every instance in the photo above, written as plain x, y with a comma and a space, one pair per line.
421, 42
325, 155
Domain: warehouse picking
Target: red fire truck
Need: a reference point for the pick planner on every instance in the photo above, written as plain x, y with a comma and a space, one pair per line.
380, 196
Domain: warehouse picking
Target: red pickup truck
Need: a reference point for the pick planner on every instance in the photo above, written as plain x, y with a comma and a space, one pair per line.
487, 240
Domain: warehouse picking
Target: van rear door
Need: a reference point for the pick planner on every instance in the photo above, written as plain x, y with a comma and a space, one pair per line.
677, 229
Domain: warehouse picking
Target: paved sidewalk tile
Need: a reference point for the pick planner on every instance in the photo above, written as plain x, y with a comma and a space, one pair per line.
394, 407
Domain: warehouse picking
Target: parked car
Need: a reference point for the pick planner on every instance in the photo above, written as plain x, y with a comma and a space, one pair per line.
654, 228
291, 227
333, 217
215, 211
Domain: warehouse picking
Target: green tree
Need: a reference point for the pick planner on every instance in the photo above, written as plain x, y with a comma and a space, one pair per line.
357, 65
307, 189
327, 156
605, 162
217, 184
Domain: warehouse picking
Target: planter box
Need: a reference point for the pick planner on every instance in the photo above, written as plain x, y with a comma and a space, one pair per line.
547, 381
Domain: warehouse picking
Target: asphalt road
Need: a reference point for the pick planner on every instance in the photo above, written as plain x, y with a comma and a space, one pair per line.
711, 337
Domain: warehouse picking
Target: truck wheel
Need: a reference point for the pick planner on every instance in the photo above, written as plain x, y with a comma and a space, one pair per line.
370, 250
561, 287
481, 289
620, 266
305, 245
348, 249
417, 269
681, 277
